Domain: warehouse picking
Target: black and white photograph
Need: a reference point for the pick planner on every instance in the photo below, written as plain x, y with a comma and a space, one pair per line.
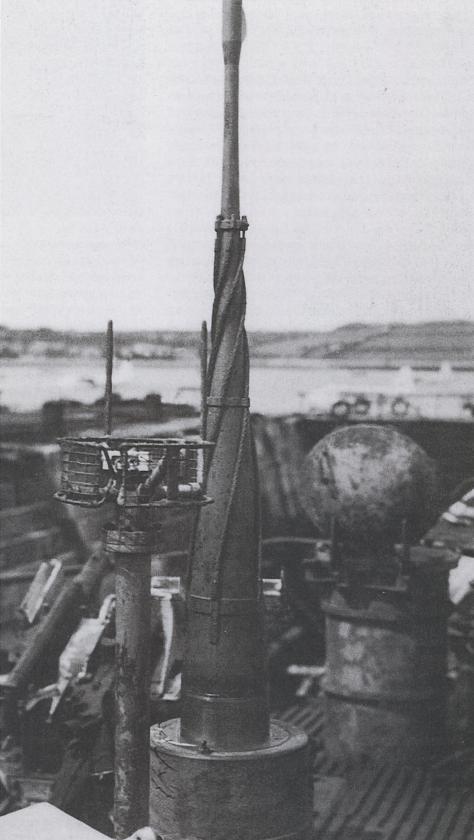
237, 420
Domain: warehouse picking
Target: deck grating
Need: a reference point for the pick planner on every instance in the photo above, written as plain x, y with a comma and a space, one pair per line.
389, 803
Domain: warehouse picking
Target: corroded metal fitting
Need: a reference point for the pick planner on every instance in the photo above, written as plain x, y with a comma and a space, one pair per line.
119, 541
232, 223
228, 402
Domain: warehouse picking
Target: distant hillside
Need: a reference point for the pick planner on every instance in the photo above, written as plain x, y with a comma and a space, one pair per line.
366, 344
316, 345
421, 338
416, 343
422, 343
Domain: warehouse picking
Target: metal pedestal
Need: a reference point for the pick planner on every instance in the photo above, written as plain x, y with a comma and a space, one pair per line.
264, 793
385, 685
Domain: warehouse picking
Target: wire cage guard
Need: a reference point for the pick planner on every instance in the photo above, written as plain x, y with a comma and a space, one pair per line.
143, 472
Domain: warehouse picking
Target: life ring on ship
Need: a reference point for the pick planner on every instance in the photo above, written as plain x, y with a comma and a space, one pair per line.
340, 409
361, 406
400, 407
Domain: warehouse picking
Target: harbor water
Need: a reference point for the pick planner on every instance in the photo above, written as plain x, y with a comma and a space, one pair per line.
277, 386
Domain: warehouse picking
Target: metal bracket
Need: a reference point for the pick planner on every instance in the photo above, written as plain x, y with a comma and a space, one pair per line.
228, 402
129, 542
232, 223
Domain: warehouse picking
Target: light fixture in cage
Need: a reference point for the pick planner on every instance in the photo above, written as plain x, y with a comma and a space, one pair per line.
133, 472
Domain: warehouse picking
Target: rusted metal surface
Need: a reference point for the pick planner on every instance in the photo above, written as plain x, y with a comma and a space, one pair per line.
134, 472
262, 793
143, 476
132, 703
283, 442
372, 480
224, 683
386, 609
386, 659
130, 542
155, 475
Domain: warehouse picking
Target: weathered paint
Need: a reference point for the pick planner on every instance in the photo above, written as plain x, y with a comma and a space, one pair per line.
132, 705
385, 685
261, 793
373, 480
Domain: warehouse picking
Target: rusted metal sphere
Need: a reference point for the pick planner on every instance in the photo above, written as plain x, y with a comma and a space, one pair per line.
374, 483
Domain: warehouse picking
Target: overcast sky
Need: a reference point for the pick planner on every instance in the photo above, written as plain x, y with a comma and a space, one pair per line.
357, 161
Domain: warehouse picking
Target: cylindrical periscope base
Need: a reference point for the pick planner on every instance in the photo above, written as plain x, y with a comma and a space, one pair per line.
265, 793
385, 685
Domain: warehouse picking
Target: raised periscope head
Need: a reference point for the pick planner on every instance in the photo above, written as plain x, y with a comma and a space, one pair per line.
233, 33
233, 30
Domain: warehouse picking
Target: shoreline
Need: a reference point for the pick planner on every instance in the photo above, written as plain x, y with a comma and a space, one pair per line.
376, 363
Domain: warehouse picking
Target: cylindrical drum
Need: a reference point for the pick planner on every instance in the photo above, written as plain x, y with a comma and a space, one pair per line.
263, 793
385, 684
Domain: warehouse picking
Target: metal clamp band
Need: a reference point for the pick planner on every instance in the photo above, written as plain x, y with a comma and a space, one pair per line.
232, 223
224, 606
381, 699
129, 542
228, 402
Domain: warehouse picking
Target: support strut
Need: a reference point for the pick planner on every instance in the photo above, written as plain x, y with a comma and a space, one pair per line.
132, 692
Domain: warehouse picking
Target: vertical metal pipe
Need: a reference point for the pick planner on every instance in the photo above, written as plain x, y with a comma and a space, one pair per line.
232, 34
132, 704
109, 361
203, 359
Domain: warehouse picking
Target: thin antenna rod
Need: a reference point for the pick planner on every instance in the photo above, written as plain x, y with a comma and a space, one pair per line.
109, 362
203, 357
232, 36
